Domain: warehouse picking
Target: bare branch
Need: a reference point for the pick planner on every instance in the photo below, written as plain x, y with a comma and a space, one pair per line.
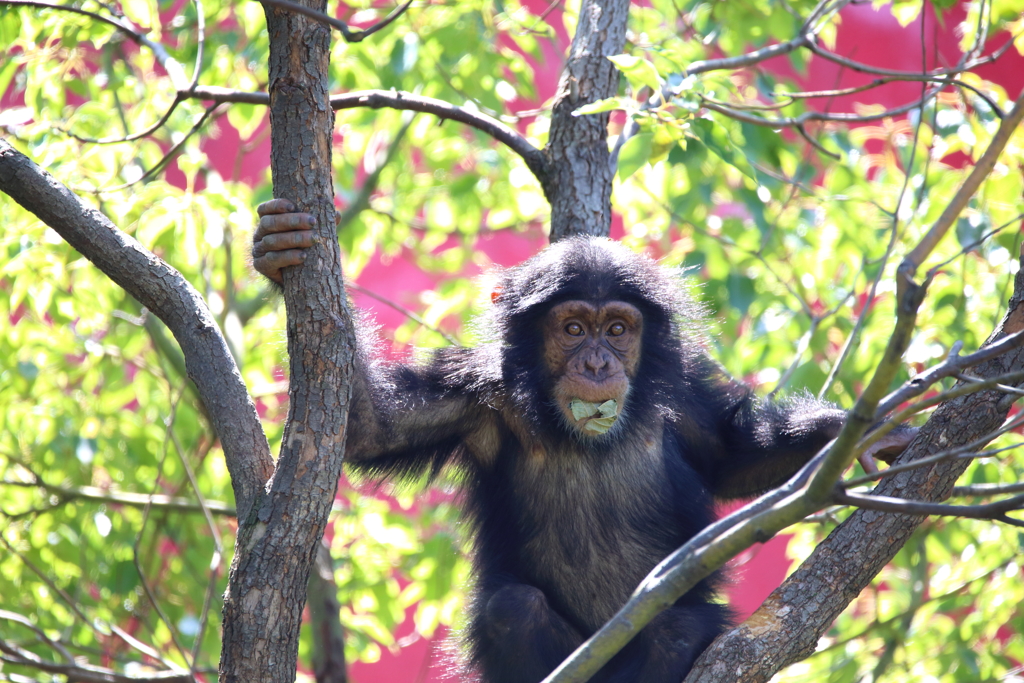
984, 490
809, 94
337, 24
40, 633
76, 610
411, 315
164, 160
860, 67
953, 364
793, 121
170, 65
126, 498
133, 136
977, 243
393, 99
750, 58
995, 511
967, 451
85, 673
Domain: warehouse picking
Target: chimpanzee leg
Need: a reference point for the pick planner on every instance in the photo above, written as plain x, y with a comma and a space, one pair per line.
517, 638
668, 646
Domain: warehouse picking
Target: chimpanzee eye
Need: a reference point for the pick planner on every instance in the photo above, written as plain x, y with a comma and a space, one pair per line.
574, 329
616, 330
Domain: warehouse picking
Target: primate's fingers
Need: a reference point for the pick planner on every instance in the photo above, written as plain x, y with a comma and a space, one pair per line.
272, 263
281, 241
276, 206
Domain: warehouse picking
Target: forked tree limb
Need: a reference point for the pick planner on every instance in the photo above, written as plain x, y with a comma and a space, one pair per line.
170, 297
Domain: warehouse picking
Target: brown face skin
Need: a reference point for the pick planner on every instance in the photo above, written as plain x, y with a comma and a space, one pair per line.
281, 237
592, 351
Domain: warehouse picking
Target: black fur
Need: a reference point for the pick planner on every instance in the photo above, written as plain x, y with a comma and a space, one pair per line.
567, 527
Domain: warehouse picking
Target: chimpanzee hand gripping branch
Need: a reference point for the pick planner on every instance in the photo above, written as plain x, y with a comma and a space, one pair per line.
594, 434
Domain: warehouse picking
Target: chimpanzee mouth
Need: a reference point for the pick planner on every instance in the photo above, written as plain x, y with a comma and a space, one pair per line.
602, 415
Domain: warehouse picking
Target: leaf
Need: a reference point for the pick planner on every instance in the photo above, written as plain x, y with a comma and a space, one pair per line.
634, 154
637, 71
581, 409
607, 104
600, 425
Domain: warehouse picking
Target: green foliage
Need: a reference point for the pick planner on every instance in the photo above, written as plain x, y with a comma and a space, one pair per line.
786, 242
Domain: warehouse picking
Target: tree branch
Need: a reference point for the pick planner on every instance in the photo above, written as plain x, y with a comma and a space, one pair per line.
127, 498
337, 24
170, 297
85, 673
994, 511
953, 364
392, 99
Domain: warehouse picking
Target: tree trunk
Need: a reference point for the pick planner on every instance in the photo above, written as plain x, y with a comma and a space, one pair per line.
787, 627
278, 540
578, 184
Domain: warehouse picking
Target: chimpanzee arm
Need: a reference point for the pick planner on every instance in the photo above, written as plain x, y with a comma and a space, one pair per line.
766, 442
763, 443
411, 419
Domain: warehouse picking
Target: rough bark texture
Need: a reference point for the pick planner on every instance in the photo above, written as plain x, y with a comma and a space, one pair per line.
788, 625
167, 295
324, 608
578, 181
279, 539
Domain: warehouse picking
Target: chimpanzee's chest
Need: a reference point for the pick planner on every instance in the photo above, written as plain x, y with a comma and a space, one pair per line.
590, 526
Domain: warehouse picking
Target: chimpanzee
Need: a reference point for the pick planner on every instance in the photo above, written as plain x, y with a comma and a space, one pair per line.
593, 433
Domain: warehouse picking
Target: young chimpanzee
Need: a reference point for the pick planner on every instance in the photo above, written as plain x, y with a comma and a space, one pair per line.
593, 433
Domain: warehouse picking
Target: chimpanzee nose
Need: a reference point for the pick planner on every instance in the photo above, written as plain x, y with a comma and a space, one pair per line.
596, 362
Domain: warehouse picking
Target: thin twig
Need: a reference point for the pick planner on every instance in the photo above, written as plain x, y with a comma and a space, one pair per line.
793, 121
166, 159
126, 498
337, 24
942, 456
403, 310
170, 65
994, 511
84, 673
984, 490
977, 243
40, 633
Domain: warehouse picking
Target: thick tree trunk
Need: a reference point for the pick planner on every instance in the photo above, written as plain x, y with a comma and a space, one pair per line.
278, 541
788, 625
578, 183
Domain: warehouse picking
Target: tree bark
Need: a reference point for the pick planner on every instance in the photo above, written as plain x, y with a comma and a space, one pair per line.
167, 295
278, 540
786, 628
578, 178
